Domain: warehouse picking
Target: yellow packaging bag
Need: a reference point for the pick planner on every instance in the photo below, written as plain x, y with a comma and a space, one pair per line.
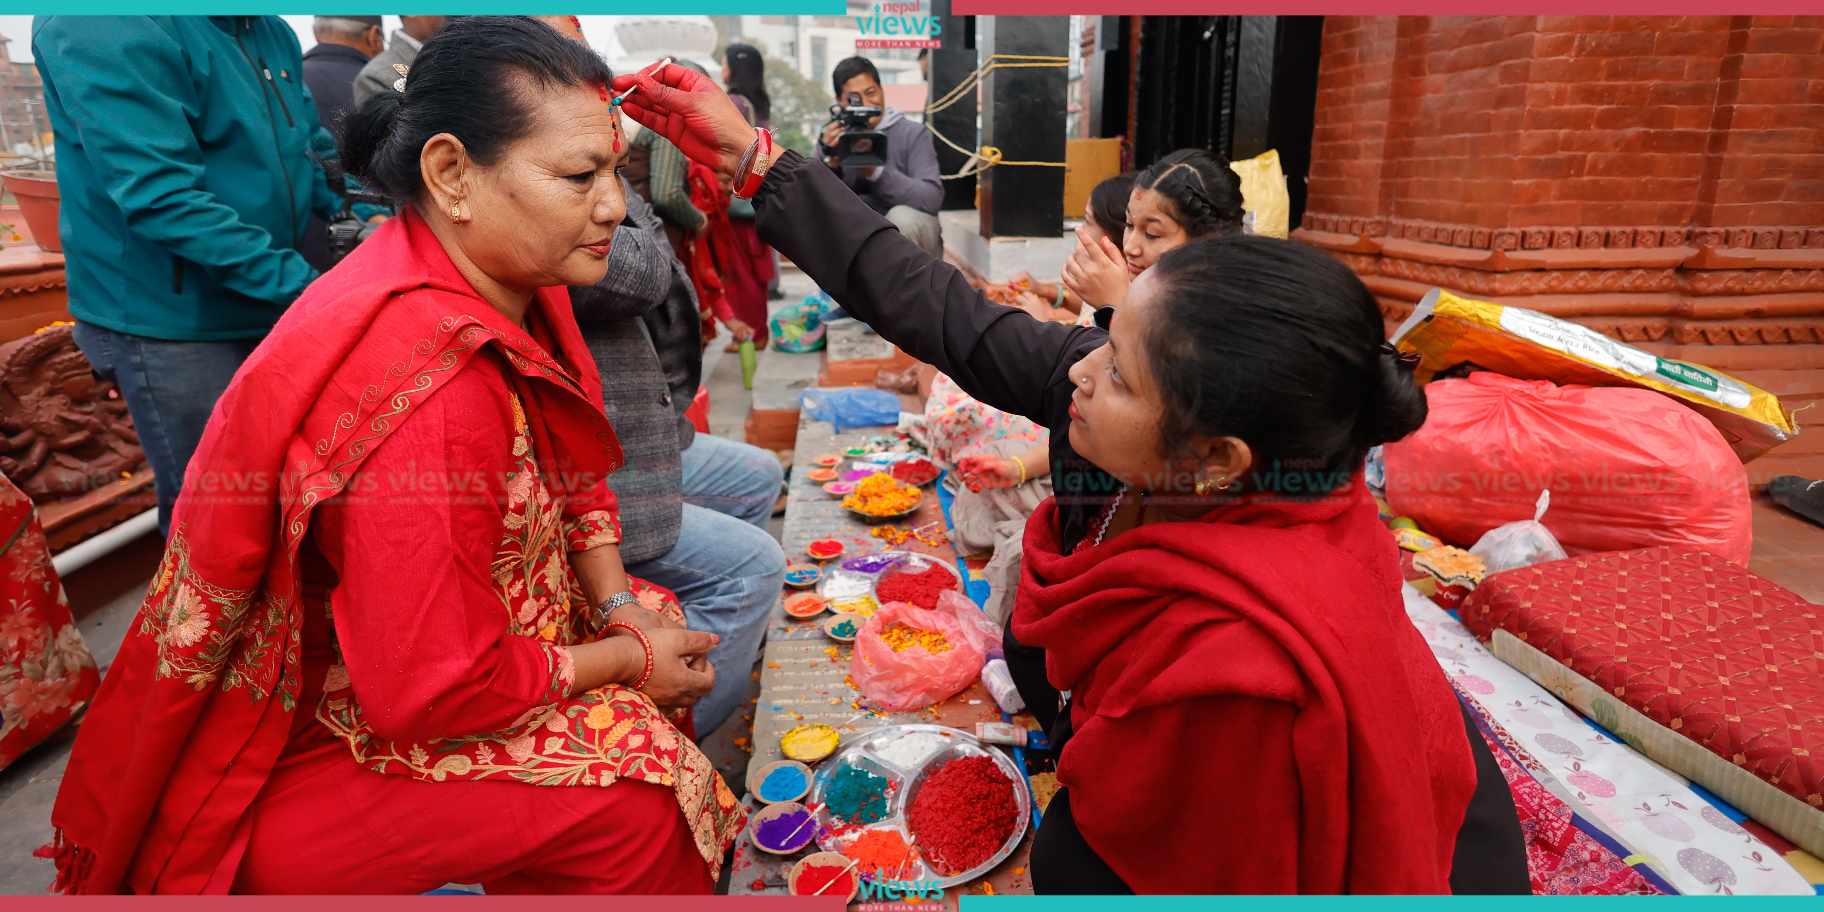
1266, 205
1446, 331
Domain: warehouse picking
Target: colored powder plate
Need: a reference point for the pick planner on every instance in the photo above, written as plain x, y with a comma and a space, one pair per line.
809, 743
823, 874
839, 489
824, 549
821, 476
843, 585
787, 783
805, 605
802, 576
841, 628
921, 588
880, 851
828, 461
962, 814
863, 607
870, 563
784, 832
857, 795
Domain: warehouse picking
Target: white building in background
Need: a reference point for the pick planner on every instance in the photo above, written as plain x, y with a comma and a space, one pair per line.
632, 42
814, 44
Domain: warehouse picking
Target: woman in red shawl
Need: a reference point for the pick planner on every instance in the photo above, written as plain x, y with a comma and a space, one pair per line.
391, 644
1251, 710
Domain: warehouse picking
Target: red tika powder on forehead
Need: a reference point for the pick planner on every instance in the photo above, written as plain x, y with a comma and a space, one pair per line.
963, 814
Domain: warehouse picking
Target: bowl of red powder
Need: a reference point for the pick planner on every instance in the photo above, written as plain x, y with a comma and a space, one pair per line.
967, 812
823, 874
920, 588
919, 472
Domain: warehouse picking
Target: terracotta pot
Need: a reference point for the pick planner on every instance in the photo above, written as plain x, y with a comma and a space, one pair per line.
37, 195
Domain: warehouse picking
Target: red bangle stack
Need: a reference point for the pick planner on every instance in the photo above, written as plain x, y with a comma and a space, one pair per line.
646, 644
756, 161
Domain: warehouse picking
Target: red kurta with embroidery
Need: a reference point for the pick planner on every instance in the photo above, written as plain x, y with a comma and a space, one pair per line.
408, 593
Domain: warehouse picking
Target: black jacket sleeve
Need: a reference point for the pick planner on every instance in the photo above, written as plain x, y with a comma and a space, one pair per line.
1000, 355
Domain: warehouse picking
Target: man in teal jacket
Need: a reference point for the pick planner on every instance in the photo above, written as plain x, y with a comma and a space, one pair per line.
185, 169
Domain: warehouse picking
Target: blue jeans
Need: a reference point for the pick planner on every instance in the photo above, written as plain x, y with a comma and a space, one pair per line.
726, 568
171, 389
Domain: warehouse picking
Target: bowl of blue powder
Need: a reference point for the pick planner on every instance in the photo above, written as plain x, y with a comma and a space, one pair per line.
779, 782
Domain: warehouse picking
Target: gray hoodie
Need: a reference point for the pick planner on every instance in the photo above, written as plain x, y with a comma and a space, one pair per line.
911, 177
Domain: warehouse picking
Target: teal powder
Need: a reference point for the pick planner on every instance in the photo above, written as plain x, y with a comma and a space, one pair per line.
857, 795
782, 784
844, 629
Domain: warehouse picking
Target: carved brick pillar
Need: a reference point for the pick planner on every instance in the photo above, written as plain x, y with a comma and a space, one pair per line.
1658, 178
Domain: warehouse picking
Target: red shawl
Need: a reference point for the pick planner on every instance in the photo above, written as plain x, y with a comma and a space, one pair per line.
1252, 711
710, 250
193, 714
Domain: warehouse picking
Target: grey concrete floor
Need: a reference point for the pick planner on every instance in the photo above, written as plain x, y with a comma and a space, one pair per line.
108, 593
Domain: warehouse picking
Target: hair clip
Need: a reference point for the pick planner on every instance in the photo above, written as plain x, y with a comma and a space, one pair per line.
399, 84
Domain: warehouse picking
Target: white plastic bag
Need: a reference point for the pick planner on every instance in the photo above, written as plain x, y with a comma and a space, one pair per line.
1520, 544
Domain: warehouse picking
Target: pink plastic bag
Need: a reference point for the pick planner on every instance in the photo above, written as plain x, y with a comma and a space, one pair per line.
1627, 468
914, 679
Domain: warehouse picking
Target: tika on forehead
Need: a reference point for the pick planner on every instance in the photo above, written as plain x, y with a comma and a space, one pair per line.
614, 103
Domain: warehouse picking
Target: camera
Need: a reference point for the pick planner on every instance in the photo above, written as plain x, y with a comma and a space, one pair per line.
348, 230
858, 146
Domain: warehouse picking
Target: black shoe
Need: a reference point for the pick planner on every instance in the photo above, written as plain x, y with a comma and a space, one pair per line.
1800, 495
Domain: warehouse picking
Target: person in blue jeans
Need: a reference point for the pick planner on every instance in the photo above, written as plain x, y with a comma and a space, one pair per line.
694, 508
184, 162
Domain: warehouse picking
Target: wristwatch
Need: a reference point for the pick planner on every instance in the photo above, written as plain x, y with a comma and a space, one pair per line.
615, 602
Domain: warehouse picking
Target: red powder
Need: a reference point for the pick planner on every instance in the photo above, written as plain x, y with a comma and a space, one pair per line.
814, 878
920, 589
916, 472
963, 814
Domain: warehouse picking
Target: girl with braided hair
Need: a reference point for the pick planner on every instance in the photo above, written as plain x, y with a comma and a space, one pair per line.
1187, 195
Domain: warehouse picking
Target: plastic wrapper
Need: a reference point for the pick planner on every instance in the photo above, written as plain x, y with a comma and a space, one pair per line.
851, 407
1265, 203
914, 678
1448, 331
1520, 544
1627, 468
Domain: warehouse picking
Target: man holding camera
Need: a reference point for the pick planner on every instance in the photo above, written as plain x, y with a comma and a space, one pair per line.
902, 181
184, 162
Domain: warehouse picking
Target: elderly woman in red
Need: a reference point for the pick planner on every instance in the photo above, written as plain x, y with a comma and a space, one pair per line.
391, 644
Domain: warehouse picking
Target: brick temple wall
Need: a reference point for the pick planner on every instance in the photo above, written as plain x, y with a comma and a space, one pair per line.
1658, 178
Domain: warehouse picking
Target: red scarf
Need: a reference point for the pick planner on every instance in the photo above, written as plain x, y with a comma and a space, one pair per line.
186, 729
1269, 629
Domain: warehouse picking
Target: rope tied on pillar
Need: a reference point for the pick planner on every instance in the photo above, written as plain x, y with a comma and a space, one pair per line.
986, 157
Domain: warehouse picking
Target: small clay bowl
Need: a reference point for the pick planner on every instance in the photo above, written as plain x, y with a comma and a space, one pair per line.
756, 778
821, 476
803, 606
828, 460
824, 549
922, 472
839, 489
836, 859
833, 621
802, 576
809, 756
781, 809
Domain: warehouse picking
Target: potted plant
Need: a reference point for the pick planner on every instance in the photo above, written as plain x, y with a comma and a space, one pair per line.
36, 191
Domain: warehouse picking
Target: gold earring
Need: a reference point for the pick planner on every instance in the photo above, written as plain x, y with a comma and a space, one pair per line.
1206, 487
456, 210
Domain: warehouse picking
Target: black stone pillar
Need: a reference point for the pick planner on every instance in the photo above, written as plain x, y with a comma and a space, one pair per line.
952, 63
1023, 114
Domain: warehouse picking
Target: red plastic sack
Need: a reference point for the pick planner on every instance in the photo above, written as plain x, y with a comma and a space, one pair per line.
914, 678
1627, 468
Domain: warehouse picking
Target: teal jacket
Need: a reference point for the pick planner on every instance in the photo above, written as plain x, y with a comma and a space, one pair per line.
185, 170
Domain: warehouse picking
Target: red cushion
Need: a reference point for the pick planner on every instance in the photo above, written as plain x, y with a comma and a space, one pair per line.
1693, 642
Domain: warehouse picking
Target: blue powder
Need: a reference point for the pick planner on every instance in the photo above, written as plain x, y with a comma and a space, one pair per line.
783, 784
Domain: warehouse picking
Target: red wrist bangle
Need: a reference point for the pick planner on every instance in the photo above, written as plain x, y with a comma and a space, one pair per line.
761, 156
645, 644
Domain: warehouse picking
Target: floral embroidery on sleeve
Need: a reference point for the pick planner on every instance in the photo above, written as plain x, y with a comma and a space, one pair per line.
592, 530
563, 673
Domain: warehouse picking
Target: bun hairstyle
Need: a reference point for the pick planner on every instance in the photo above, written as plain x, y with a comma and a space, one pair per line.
1108, 205
479, 79
1204, 192
1281, 346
